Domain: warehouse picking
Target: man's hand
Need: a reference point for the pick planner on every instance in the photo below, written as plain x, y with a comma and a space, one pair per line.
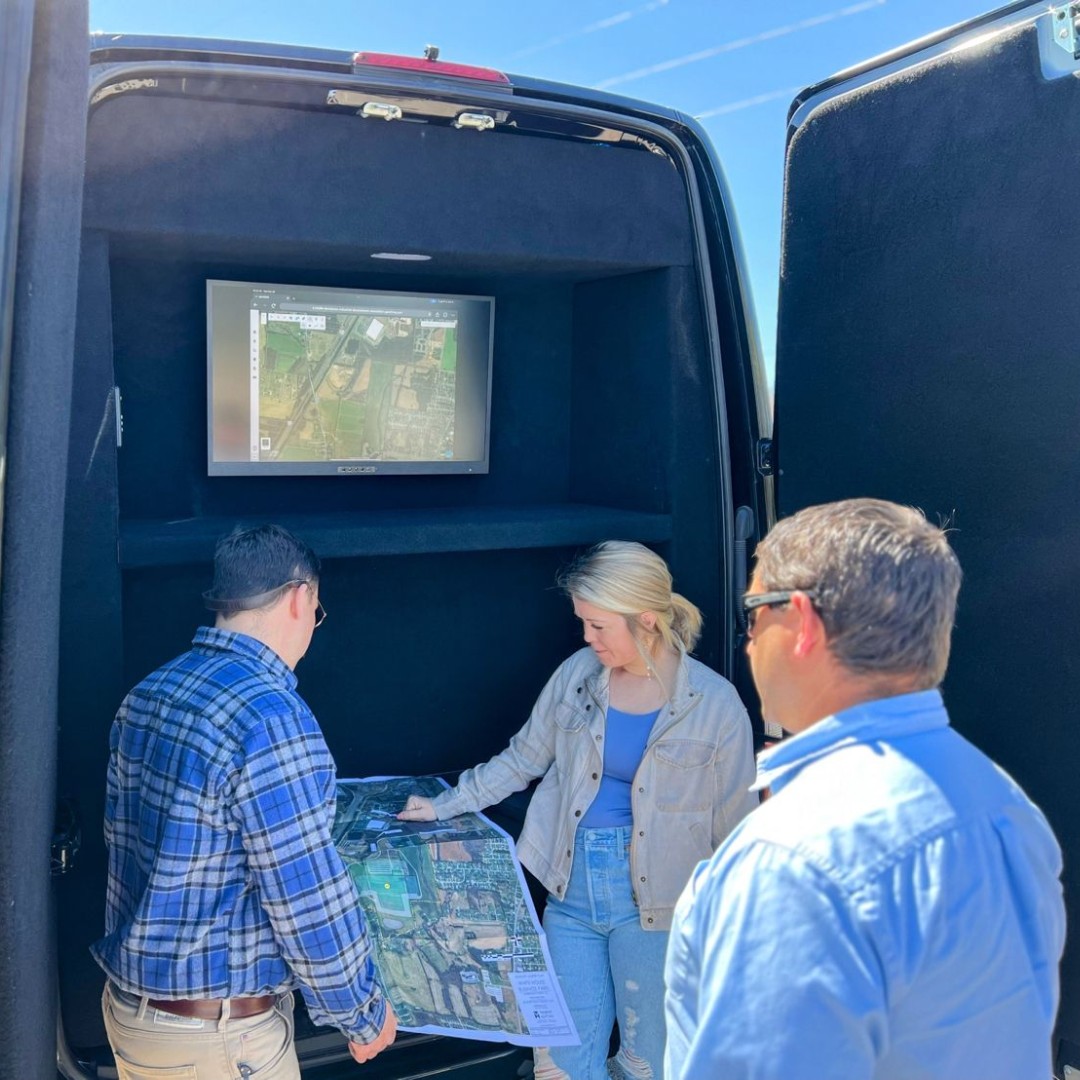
362, 1052
417, 808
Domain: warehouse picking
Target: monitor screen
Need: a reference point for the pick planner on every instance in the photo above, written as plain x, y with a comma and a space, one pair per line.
310, 380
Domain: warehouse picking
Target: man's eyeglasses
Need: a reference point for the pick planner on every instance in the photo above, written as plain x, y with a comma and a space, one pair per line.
320, 611
754, 602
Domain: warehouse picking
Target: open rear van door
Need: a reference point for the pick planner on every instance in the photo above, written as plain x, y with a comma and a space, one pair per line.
928, 353
43, 81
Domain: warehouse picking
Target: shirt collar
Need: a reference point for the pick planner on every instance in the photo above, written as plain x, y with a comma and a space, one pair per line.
886, 718
213, 639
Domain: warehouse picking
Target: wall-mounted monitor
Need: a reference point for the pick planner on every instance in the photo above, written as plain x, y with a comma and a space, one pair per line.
307, 380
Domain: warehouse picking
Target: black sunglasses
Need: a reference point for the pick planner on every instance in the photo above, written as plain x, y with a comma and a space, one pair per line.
753, 602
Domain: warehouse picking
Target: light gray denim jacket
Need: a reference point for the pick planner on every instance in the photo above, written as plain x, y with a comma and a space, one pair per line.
690, 790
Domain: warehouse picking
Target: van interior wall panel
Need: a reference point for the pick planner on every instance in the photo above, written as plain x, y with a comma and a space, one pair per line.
910, 375
430, 661
160, 333
400, 682
36, 452
91, 644
638, 371
253, 173
621, 379
698, 555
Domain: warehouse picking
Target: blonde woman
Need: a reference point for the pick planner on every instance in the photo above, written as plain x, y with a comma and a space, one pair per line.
647, 759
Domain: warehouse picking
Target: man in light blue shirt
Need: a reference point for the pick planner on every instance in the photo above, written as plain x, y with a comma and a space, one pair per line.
894, 910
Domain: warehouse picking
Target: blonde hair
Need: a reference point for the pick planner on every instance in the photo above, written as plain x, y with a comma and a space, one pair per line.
627, 578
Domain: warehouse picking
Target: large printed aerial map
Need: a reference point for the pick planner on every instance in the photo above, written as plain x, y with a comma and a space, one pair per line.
457, 942
335, 387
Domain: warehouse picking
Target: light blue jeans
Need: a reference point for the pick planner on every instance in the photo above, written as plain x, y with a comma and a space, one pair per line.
608, 966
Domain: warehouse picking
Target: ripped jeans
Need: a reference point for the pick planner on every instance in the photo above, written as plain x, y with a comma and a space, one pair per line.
608, 966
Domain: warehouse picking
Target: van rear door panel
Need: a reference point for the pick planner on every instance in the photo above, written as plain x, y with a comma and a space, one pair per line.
42, 131
928, 354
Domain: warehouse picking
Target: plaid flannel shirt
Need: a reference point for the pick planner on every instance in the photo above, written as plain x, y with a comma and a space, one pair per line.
223, 878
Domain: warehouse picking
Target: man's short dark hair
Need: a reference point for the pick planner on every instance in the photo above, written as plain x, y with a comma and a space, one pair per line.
884, 580
251, 562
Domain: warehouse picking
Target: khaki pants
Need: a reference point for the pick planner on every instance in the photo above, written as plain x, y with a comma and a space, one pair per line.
150, 1044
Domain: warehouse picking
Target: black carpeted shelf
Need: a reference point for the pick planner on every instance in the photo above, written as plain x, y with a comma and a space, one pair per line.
401, 532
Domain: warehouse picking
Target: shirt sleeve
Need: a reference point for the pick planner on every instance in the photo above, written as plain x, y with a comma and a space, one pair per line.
284, 803
115, 894
112, 788
769, 975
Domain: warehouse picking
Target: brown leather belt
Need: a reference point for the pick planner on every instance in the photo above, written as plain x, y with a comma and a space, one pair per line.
210, 1008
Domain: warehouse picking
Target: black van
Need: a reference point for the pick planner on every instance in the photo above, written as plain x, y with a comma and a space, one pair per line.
927, 353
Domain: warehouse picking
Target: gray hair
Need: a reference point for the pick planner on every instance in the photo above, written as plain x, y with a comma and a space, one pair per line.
883, 579
627, 578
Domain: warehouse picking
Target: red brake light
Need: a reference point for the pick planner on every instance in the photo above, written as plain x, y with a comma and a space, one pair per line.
430, 67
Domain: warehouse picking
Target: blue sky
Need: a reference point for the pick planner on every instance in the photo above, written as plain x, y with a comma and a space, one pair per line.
735, 64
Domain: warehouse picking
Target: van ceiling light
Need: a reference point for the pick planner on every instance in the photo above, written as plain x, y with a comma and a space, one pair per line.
429, 67
401, 256
474, 120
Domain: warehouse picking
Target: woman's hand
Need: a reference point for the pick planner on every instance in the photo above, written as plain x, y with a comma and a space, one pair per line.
417, 808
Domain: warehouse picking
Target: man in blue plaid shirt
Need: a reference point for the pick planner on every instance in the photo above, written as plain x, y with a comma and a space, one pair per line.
225, 890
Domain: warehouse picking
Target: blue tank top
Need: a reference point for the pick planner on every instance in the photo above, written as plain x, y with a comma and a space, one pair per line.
624, 747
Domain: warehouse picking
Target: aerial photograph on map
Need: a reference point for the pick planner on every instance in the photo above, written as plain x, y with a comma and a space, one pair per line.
457, 942
355, 387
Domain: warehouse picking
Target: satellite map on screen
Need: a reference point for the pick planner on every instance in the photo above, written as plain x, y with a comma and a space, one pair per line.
457, 942
363, 387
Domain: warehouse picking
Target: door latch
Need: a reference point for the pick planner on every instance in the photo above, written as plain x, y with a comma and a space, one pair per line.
67, 836
765, 457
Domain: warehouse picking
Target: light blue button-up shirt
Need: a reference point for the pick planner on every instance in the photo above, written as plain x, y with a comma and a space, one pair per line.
893, 911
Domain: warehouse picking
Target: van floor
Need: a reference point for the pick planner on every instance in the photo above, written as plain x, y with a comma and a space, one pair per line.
503, 1063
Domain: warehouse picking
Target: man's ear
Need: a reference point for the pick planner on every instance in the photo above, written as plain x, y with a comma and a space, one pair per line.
295, 604
810, 634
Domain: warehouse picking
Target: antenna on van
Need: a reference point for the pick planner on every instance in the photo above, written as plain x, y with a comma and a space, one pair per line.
431, 52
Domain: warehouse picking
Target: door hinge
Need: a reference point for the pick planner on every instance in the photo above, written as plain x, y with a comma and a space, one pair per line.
765, 460
1059, 40
1065, 23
